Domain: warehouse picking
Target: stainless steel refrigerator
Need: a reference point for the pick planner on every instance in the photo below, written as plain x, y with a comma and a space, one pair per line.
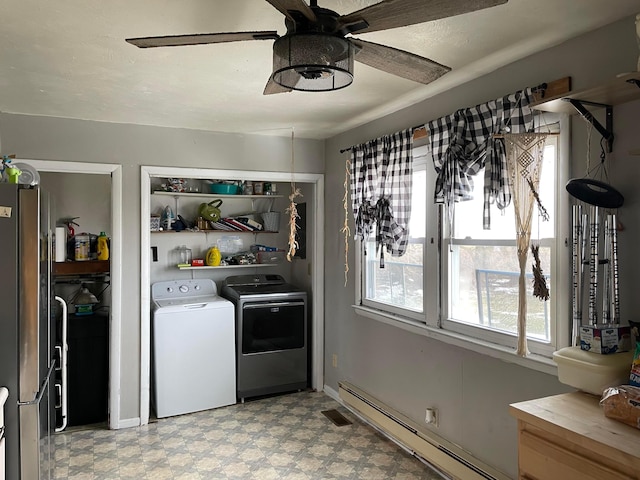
26, 331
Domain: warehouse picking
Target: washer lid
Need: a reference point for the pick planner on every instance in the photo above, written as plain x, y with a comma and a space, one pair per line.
192, 303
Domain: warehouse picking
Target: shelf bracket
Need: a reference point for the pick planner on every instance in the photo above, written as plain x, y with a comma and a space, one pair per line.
634, 81
607, 130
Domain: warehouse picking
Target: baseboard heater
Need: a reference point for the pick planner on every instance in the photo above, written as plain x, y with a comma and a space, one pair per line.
445, 456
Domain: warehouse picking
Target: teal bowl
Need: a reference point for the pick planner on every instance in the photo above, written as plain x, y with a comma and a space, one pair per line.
224, 189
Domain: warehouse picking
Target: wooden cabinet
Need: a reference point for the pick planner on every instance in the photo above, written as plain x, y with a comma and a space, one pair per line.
568, 437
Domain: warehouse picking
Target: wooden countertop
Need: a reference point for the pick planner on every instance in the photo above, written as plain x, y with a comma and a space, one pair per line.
577, 417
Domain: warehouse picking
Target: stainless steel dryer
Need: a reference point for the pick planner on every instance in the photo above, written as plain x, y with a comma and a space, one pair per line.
271, 334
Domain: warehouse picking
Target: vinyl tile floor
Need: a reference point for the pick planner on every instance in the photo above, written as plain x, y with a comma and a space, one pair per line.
273, 438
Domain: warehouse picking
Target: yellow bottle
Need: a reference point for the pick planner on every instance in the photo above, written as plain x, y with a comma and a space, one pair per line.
103, 247
213, 257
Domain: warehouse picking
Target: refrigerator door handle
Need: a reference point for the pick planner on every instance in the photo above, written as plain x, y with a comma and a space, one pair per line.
43, 388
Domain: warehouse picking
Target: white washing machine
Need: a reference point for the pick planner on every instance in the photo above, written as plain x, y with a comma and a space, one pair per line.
193, 335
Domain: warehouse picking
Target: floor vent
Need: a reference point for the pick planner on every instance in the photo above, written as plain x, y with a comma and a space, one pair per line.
445, 456
336, 417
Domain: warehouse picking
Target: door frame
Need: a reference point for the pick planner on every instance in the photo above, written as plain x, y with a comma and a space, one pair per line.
317, 262
115, 254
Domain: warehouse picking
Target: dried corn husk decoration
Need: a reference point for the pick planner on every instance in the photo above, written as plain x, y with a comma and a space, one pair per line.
345, 229
292, 210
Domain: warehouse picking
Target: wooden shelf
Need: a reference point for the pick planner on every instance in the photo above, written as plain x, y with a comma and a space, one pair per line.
89, 267
617, 91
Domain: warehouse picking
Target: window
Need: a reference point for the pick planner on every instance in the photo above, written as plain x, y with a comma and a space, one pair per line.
481, 267
399, 286
466, 281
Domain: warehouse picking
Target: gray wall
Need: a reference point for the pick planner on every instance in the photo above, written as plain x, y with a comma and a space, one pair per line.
46, 138
410, 372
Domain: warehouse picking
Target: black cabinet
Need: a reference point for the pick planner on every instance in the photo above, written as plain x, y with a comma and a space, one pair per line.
88, 368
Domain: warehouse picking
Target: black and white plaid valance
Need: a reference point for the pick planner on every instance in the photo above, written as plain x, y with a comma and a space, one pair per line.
381, 178
463, 143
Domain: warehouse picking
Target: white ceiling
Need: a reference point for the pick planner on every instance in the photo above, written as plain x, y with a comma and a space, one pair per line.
69, 59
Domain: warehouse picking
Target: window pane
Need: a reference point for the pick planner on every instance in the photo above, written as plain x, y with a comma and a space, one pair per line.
400, 283
484, 289
483, 264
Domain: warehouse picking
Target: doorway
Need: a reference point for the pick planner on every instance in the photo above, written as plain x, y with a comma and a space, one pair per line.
114, 222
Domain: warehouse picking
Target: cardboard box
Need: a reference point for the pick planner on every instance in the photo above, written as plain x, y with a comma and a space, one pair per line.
605, 339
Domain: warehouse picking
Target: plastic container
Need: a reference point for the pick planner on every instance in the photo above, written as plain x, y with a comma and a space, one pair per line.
213, 257
82, 248
271, 257
271, 221
103, 246
167, 218
184, 255
592, 372
230, 244
225, 188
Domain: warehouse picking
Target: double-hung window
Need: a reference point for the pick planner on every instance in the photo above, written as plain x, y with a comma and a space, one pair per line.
399, 287
464, 279
481, 271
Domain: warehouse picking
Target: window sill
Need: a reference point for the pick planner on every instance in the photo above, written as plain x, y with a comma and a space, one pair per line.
532, 361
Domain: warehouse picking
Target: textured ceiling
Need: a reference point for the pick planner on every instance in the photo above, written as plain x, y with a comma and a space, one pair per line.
69, 59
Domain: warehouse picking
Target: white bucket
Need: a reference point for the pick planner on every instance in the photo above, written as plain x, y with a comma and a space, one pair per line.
271, 221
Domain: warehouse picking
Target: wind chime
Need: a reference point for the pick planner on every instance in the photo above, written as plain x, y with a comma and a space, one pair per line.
589, 257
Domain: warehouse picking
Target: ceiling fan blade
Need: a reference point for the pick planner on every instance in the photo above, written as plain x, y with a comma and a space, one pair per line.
274, 87
200, 39
398, 62
289, 8
399, 13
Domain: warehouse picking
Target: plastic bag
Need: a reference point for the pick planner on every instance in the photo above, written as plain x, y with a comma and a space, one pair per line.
623, 404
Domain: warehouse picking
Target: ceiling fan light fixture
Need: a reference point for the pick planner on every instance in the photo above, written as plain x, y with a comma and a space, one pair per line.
313, 62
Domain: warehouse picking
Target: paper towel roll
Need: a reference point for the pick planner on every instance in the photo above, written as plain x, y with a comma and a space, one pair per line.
61, 244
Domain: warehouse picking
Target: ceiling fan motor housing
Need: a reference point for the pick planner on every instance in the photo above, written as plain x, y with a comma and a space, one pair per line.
313, 61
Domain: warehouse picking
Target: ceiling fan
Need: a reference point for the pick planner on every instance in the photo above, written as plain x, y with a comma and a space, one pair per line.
317, 52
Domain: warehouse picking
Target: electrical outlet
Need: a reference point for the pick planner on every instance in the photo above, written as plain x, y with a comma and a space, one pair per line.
431, 417
334, 360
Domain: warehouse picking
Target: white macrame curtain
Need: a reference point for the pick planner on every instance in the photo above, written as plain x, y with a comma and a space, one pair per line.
524, 162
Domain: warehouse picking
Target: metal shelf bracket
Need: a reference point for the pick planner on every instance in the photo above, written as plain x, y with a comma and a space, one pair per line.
607, 130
